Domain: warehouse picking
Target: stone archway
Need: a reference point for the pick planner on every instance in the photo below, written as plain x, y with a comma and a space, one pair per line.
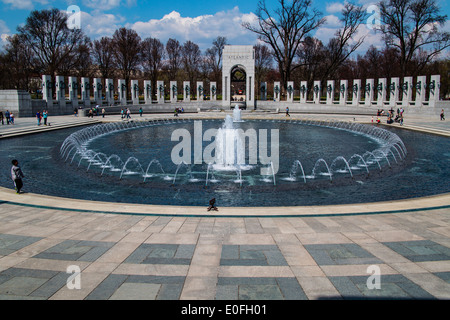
238, 76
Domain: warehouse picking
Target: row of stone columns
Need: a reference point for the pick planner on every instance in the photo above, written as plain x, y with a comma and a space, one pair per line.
380, 94
108, 89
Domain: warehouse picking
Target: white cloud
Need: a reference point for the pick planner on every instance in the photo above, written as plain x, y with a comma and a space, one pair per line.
24, 4
101, 5
201, 29
4, 33
100, 24
334, 7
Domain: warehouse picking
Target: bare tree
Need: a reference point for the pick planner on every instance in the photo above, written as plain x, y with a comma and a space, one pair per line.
127, 51
412, 27
47, 34
339, 47
263, 63
153, 53
284, 29
103, 56
174, 52
191, 58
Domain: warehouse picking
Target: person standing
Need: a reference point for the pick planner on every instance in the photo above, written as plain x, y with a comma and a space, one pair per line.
38, 117
442, 115
141, 111
7, 116
17, 176
45, 116
1, 118
103, 112
11, 118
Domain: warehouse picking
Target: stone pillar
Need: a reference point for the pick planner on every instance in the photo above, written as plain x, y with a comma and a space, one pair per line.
47, 92
60, 91
213, 90
330, 92
356, 89
290, 92
135, 92
73, 91
173, 92
343, 92
369, 91
276, 91
98, 91
250, 103
303, 91
85, 92
122, 91
186, 91
434, 85
109, 90
381, 92
200, 91
317, 90
160, 91
263, 91
148, 91
406, 90
421, 85
393, 92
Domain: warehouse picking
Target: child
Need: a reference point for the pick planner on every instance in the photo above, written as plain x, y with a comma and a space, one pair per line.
212, 205
17, 176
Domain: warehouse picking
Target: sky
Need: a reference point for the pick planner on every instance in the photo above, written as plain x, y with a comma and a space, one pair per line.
196, 20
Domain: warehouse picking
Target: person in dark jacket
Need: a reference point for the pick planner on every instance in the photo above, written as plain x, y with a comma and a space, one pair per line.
17, 175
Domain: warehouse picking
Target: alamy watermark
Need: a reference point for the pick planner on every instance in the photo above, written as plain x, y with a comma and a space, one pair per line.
74, 280
374, 280
73, 17
374, 20
228, 147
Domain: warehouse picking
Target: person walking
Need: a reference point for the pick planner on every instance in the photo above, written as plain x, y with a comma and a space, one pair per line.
141, 111
442, 115
103, 112
287, 112
17, 176
11, 118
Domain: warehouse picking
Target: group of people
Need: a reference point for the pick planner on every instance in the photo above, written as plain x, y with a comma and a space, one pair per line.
42, 116
177, 111
9, 116
391, 117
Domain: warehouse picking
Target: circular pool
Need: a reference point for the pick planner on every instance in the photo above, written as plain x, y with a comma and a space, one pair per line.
240, 163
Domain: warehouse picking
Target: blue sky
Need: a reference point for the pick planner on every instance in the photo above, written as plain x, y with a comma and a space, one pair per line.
199, 21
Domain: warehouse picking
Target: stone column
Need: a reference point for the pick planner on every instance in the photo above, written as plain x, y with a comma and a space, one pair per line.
73, 91
85, 92
369, 91
303, 91
276, 91
356, 89
330, 92
148, 91
434, 85
421, 85
213, 90
47, 92
290, 92
122, 91
393, 92
250, 103
186, 91
343, 92
98, 91
109, 90
135, 91
160, 91
406, 90
200, 91
173, 92
317, 90
263, 91
60, 91
381, 92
